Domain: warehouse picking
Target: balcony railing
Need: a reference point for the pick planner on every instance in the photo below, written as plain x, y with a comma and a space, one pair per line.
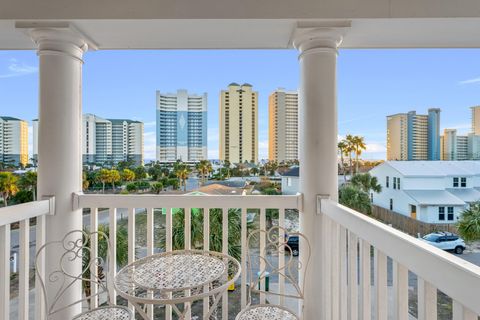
371, 270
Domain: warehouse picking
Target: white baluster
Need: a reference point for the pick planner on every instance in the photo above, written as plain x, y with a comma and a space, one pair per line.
93, 256
427, 300
352, 277
24, 274
225, 251
40, 241
113, 250
381, 293
131, 242
5, 272
400, 291
365, 281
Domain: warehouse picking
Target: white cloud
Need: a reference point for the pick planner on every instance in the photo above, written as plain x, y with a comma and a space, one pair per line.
470, 81
17, 69
376, 148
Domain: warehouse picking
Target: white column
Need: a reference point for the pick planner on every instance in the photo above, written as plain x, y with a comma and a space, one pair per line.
318, 148
60, 51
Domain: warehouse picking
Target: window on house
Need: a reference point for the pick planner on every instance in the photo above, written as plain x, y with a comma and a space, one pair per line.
441, 213
391, 204
371, 197
450, 214
394, 183
387, 182
455, 182
398, 183
463, 182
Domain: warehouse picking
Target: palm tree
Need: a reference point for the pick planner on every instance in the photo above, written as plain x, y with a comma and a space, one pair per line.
29, 181
342, 145
254, 171
349, 139
469, 223
114, 176
365, 182
8, 186
358, 146
204, 167
128, 175
354, 198
182, 172
216, 217
103, 175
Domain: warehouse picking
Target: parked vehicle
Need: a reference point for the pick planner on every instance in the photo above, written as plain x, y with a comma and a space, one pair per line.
293, 243
445, 241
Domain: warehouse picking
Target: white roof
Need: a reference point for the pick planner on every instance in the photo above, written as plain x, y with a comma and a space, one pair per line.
466, 194
434, 197
435, 168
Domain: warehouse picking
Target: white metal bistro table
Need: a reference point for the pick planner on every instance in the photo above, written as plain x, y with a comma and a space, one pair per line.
177, 277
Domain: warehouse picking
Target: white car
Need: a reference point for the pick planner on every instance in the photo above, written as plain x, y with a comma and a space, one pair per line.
446, 241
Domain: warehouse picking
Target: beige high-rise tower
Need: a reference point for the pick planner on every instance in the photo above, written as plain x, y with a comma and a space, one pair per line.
239, 123
283, 125
397, 137
476, 120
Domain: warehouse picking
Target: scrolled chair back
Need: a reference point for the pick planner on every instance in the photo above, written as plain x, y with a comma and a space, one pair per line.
276, 241
74, 247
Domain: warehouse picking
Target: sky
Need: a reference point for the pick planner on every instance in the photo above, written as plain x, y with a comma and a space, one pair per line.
371, 85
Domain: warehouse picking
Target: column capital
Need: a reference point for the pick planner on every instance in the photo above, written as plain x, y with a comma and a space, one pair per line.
319, 35
57, 38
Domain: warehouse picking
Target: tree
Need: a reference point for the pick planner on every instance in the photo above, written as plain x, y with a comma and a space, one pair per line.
128, 175
350, 141
226, 168
85, 181
114, 176
342, 145
216, 228
140, 172
355, 198
121, 251
8, 186
103, 175
469, 222
366, 183
157, 187
254, 171
204, 167
358, 146
182, 172
29, 182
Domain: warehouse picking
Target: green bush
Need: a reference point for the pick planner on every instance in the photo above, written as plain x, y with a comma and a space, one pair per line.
354, 198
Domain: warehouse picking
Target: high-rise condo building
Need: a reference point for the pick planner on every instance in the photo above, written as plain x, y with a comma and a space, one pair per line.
460, 147
181, 127
13, 141
476, 120
433, 134
239, 123
397, 137
411, 136
107, 140
454, 146
283, 125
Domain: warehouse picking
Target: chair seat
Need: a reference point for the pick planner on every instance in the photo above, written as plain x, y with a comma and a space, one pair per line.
265, 312
106, 313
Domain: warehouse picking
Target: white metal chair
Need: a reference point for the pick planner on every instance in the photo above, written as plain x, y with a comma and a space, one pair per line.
75, 247
276, 240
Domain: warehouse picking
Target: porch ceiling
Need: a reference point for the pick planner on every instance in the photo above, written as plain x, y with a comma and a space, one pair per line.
259, 33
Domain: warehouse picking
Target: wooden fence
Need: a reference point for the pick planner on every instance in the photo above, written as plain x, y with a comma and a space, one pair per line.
409, 225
